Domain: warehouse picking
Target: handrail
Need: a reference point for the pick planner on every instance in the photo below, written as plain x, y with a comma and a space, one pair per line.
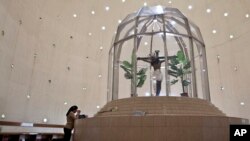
28, 124
29, 133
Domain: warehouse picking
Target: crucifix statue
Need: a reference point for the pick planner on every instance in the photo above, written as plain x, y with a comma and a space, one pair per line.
155, 61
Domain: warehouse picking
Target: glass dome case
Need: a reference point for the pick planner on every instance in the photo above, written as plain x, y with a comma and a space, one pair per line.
163, 33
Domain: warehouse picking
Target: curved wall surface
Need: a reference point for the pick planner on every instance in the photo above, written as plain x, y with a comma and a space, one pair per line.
46, 61
50, 60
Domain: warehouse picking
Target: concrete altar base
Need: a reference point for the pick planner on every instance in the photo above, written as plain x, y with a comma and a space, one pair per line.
156, 119
155, 128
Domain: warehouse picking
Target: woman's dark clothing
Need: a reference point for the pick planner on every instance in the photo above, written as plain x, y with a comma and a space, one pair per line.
67, 134
71, 117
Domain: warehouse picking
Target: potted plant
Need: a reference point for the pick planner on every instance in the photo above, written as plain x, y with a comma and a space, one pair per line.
141, 74
179, 67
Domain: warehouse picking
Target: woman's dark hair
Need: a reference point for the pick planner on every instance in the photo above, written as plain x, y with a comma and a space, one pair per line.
72, 108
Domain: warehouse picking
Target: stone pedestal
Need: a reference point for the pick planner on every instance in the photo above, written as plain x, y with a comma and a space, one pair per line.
156, 119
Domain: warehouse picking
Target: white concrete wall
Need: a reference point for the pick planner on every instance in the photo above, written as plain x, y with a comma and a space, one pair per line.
31, 75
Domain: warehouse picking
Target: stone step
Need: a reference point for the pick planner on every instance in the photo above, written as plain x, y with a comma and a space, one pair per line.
160, 106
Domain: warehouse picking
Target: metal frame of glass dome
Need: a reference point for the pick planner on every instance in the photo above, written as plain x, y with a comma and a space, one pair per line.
164, 16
